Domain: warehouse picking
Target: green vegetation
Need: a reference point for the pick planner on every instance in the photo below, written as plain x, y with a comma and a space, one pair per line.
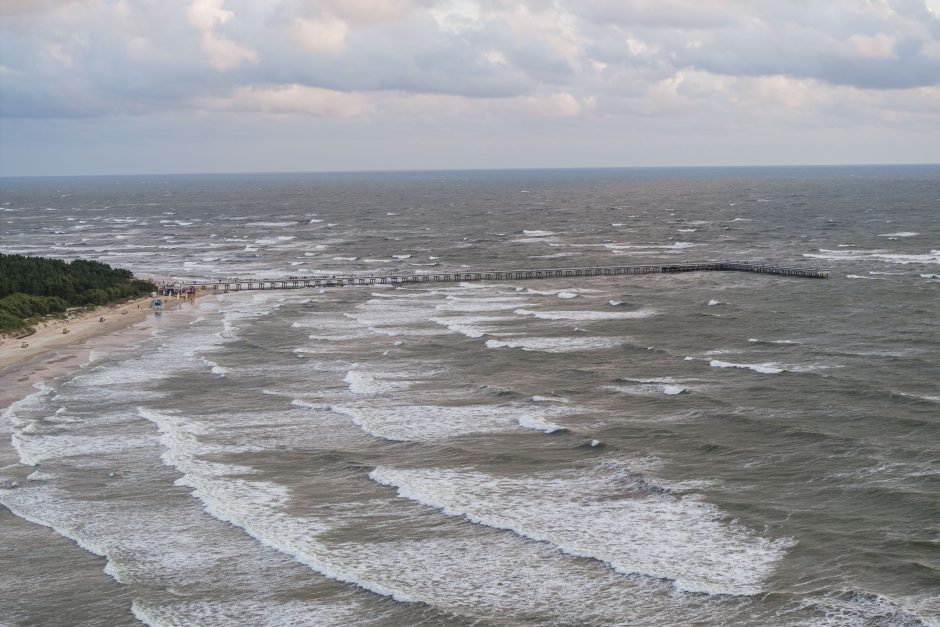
36, 286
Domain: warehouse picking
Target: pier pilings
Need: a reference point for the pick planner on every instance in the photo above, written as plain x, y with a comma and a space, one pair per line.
296, 282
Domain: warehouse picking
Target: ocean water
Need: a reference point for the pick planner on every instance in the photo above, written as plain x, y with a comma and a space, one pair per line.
715, 448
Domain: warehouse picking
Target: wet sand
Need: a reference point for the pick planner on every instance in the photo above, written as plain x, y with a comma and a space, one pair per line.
87, 593
49, 335
50, 353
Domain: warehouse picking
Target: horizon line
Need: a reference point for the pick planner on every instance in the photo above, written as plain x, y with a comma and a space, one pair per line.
477, 169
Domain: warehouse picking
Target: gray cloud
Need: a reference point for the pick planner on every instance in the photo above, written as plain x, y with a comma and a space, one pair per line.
594, 63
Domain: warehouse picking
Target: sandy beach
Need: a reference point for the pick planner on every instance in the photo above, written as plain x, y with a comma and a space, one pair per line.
49, 353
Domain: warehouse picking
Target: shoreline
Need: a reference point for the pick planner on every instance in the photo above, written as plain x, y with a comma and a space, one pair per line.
51, 354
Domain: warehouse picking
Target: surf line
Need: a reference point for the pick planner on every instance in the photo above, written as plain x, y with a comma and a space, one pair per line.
295, 282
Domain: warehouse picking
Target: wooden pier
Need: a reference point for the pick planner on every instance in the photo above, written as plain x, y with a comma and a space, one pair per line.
296, 282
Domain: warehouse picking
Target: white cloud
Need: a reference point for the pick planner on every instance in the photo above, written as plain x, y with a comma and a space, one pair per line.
290, 99
221, 53
326, 35
685, 64
368, 12
57, 52
560, 105
878, 46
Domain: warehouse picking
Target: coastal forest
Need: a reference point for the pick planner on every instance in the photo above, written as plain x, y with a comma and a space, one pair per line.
31, 287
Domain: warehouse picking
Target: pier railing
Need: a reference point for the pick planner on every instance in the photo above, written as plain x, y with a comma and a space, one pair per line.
294, 282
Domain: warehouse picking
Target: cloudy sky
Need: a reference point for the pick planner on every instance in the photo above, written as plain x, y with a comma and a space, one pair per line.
140, 86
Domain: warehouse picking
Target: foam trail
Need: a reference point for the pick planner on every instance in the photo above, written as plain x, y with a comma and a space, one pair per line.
556, 344
539, 424
365, 382
586, 315
755, 340
471, 326
541, 398
768, 368
429, 423
661, 534
646, 387
453, 573
933, 257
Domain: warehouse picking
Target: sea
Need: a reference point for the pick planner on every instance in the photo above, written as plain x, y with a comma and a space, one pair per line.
714, 448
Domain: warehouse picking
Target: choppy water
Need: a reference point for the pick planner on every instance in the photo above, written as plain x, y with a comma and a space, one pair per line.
712, 448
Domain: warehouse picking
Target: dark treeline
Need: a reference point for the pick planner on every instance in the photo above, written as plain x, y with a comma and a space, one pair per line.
36, 286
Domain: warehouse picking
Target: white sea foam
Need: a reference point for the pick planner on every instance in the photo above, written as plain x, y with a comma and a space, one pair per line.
539, 424
408, 315
615, 303
767, 368
482, 303
471, 326
337, 338
567, 295
160, 543
933, 257
541, 398
556, 344
755, 340
245, 612
586, 513
307, 405
664, 385
472, 332
533, 577
131, 373
252, 505
537, 233
555, 255
366, 382
900, 234
428, 423
673, 246
586, 315
713, 302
